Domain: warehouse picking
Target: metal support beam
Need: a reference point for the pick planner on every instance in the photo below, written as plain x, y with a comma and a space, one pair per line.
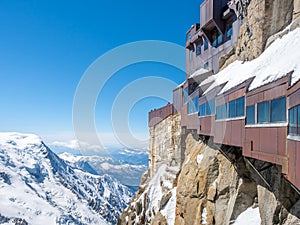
259, 174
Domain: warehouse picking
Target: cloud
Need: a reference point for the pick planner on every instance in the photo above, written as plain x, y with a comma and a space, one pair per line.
67, 142
72, 144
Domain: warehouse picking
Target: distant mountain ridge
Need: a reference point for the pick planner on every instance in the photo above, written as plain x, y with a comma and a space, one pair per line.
38, 187
126, 165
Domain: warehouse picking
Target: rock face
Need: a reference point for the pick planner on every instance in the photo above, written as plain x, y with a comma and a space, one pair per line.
265, 18
209, 189
209, 183
165, 143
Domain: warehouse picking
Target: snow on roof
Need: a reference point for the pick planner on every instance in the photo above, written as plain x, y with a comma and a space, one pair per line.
199, 72
280, 58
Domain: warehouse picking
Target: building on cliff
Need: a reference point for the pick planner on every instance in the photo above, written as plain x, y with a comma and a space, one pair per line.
252, 106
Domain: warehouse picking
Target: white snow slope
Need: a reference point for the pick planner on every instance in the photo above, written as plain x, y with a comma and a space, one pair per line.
37, 187
160, 185
280, 58
250, 216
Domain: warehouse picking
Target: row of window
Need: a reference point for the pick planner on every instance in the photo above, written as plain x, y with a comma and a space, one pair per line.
267, 112
232, 109
264, 112
294, 120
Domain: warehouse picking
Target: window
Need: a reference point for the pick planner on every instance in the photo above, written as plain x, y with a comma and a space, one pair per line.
294, 120
240, 107
210, 107
202, 110
232, 109
193, 105
278, 110
222, 112
186, 95
207, 108
236, 107
250, 118
220, 39
272, 111
217, 38
229, 32
205, 44
263, 112
198, 49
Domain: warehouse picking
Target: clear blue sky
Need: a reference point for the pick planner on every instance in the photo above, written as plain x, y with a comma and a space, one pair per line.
46, 46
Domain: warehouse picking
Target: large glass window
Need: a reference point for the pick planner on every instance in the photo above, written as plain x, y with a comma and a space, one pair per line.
211, 107
236, 107
232, 109
294, 120
263, 112
240, 107
222, 112
278, 110
207, 108
250, 118
272, 111
293, 116
202, 110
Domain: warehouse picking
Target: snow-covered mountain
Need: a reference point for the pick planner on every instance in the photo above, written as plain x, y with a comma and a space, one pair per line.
124, 171
37, 187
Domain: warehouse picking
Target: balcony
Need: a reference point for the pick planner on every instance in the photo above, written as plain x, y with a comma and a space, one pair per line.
211, 16
193, 35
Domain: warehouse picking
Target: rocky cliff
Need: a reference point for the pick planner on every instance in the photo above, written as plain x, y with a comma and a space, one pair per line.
265, 18
209, 189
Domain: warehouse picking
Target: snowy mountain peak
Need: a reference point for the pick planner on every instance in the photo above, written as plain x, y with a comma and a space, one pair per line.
38, 187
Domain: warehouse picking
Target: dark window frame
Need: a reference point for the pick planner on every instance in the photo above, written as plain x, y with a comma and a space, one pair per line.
249, 119
205, 44
270, 117
295, 129
208, 108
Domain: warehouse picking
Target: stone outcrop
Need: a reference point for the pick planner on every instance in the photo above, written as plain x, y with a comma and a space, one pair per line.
265, 18
209, 189
208, 182
165, 143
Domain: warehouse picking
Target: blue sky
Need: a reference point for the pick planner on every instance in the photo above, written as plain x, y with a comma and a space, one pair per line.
46, 46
